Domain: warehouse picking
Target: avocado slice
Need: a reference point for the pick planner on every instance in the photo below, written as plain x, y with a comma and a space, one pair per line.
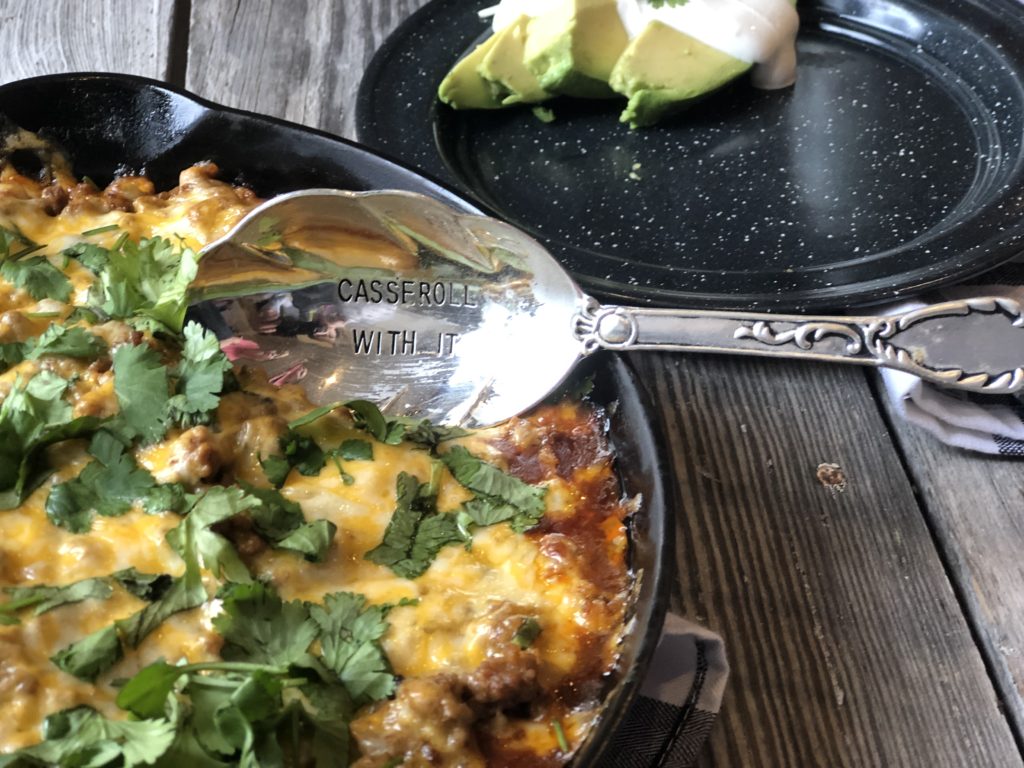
502, 67
573, 47
464, 87
662, 69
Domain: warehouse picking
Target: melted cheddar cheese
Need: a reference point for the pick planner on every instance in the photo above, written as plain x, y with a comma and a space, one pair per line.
468, 695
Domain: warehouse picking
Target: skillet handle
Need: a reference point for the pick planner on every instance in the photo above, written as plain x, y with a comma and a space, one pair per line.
974, 344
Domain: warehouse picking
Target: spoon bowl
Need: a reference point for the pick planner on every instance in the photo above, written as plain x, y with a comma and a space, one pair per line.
462, 319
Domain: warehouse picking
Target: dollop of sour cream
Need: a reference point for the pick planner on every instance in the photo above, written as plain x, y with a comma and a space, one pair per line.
761, 32
505, 13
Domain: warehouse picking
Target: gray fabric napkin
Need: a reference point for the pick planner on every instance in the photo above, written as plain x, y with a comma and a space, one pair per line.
671, 718
984, 423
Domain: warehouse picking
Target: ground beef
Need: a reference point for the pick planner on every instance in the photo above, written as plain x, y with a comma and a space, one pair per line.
426, 724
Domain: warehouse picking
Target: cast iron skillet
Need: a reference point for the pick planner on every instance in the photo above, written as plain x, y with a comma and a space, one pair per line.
111, 125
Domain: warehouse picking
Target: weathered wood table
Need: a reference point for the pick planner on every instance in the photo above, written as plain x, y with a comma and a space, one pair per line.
881, 625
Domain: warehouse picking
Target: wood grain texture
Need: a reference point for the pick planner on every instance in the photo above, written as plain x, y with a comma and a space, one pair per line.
975, 505
41, 37
846, 641
301, 60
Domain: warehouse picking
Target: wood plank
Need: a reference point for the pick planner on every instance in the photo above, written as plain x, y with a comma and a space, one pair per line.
975, 507
299, 60
846, 641
51, 36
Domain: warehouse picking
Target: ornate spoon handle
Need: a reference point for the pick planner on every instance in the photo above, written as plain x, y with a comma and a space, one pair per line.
974, 344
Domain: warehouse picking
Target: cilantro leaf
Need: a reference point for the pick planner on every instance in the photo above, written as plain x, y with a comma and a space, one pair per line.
46, 598
276, 469
185, 593
368, 416
38, 276
282, 523
11, 237
194, 538
145, 586
350, 634
499, 487
429, 435
11, 353
33, 416
527, 633
145, 695
667, 3
168, 497
315, 415
69, 342
356, 450
327, 716
416, 531
149, 278
96, 653
83, 737
141, 386
109, 486
259, 627
200, 378
311, 540
297, 451
91, 656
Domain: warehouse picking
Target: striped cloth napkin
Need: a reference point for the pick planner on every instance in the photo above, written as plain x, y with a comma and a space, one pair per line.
983, 423
671, 718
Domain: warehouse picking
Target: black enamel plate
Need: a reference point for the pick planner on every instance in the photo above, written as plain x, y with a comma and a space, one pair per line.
110, 125
895, 164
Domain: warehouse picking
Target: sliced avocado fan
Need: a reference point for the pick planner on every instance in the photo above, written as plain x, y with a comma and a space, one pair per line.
493, 74
504, 68
464, 87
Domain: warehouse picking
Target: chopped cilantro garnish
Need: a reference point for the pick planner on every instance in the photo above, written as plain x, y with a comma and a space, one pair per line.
33, 416
500, 496
148, 279
13, 244
141, 386
96, 653
44, 598
294, 673
298, 451
527, 633
260, 628
108, 486
350, 634
416, 531
194, 538
91, 656
66, 341
38, 276
563, 742
200, 378
282, 523
11, 353
315, 415
368, 416
356, 450
83, 737
100, 230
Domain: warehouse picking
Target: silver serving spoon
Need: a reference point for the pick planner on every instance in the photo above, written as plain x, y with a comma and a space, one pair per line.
397, 298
